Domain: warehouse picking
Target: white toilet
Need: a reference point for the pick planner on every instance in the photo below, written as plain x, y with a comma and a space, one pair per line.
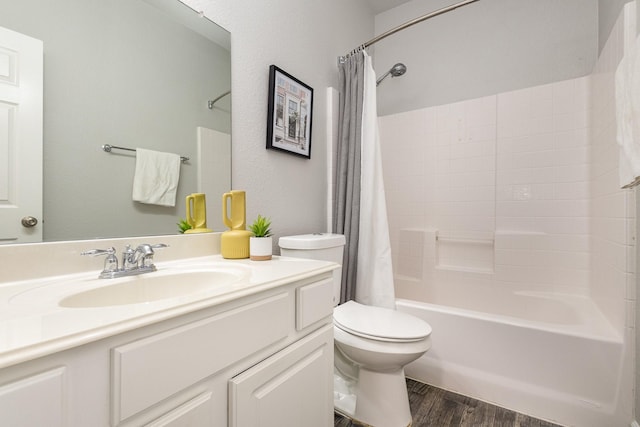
373, 344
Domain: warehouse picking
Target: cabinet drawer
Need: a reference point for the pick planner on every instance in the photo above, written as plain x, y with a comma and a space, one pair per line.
152, 369
193, 413
313, 302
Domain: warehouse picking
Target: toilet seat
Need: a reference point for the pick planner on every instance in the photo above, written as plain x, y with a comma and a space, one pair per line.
379, 324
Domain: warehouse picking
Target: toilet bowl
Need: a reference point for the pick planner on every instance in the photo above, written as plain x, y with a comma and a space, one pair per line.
372, 345
380, 342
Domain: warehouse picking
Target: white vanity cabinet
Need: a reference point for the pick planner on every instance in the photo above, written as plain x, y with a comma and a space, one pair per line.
266, 356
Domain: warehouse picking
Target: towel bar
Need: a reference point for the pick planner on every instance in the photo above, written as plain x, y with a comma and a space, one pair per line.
109, 147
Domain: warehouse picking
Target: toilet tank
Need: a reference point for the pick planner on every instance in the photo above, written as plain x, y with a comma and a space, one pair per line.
320, 246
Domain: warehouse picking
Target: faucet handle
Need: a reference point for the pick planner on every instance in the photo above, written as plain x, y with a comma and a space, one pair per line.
146, 253
146, 250
111, 263
96, 252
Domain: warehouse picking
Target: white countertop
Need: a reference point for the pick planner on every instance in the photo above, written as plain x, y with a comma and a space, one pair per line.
32, 324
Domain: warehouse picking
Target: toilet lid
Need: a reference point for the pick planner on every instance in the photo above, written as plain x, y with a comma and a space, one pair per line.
382, 324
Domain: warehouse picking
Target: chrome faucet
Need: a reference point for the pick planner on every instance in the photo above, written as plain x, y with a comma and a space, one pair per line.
134, 261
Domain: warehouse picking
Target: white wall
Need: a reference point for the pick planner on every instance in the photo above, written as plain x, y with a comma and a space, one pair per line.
304, 39
484, 48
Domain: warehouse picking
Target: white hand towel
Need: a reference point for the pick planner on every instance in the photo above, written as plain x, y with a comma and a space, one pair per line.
627, 81
156, 178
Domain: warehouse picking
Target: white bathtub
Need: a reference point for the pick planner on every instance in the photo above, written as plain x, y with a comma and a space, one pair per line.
550, 356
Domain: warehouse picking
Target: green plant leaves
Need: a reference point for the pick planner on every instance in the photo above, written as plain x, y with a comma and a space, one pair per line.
260, 227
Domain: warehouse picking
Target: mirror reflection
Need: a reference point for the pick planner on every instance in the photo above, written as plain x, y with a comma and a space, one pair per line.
128, 73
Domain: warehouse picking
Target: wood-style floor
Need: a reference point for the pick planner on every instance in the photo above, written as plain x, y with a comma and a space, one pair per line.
434, 407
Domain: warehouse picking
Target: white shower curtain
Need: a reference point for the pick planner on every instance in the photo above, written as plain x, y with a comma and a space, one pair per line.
374, 283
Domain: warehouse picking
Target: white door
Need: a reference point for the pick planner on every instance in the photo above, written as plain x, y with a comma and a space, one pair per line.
21, 81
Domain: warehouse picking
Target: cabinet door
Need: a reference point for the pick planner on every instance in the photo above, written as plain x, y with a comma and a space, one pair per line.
34, 401
294, 387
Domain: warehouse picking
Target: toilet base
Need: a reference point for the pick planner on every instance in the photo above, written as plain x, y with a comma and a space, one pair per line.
382, 399
344, 395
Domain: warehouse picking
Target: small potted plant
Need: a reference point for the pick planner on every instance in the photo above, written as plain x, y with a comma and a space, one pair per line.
260, 245
183, 226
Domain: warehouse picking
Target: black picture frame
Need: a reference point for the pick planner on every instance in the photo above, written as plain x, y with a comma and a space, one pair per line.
289, 116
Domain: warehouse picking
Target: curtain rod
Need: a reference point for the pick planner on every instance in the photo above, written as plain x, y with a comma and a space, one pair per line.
406, 25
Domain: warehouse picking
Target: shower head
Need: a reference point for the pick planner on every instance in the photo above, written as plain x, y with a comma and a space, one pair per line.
398, 70
395, 71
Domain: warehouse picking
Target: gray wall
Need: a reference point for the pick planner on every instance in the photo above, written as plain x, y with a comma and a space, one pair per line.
117, 72
608, 12
483, 48
304, 38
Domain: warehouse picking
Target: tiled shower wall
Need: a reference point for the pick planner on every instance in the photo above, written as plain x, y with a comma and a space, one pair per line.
612, 209
495, 188
517, 190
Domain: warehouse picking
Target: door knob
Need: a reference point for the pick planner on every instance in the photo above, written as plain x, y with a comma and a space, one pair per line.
29, 221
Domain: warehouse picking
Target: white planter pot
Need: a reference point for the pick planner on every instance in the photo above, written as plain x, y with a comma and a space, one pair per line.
260, 248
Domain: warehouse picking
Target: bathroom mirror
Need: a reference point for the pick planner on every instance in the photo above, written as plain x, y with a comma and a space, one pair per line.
134, 74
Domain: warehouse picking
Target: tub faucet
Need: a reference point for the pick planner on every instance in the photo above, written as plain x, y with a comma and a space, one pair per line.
134, 261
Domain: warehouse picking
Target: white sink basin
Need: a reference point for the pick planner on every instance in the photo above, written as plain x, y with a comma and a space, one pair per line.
87, 292
149, 288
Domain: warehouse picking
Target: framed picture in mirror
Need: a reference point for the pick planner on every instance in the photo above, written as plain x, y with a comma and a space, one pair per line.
289, 114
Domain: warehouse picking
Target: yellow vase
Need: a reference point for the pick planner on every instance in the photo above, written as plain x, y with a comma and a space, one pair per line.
197, 213
234, 243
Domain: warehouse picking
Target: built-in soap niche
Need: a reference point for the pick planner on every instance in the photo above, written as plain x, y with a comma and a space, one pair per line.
467, 251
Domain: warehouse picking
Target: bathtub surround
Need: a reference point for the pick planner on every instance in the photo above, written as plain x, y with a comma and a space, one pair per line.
511, 201
495, 189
